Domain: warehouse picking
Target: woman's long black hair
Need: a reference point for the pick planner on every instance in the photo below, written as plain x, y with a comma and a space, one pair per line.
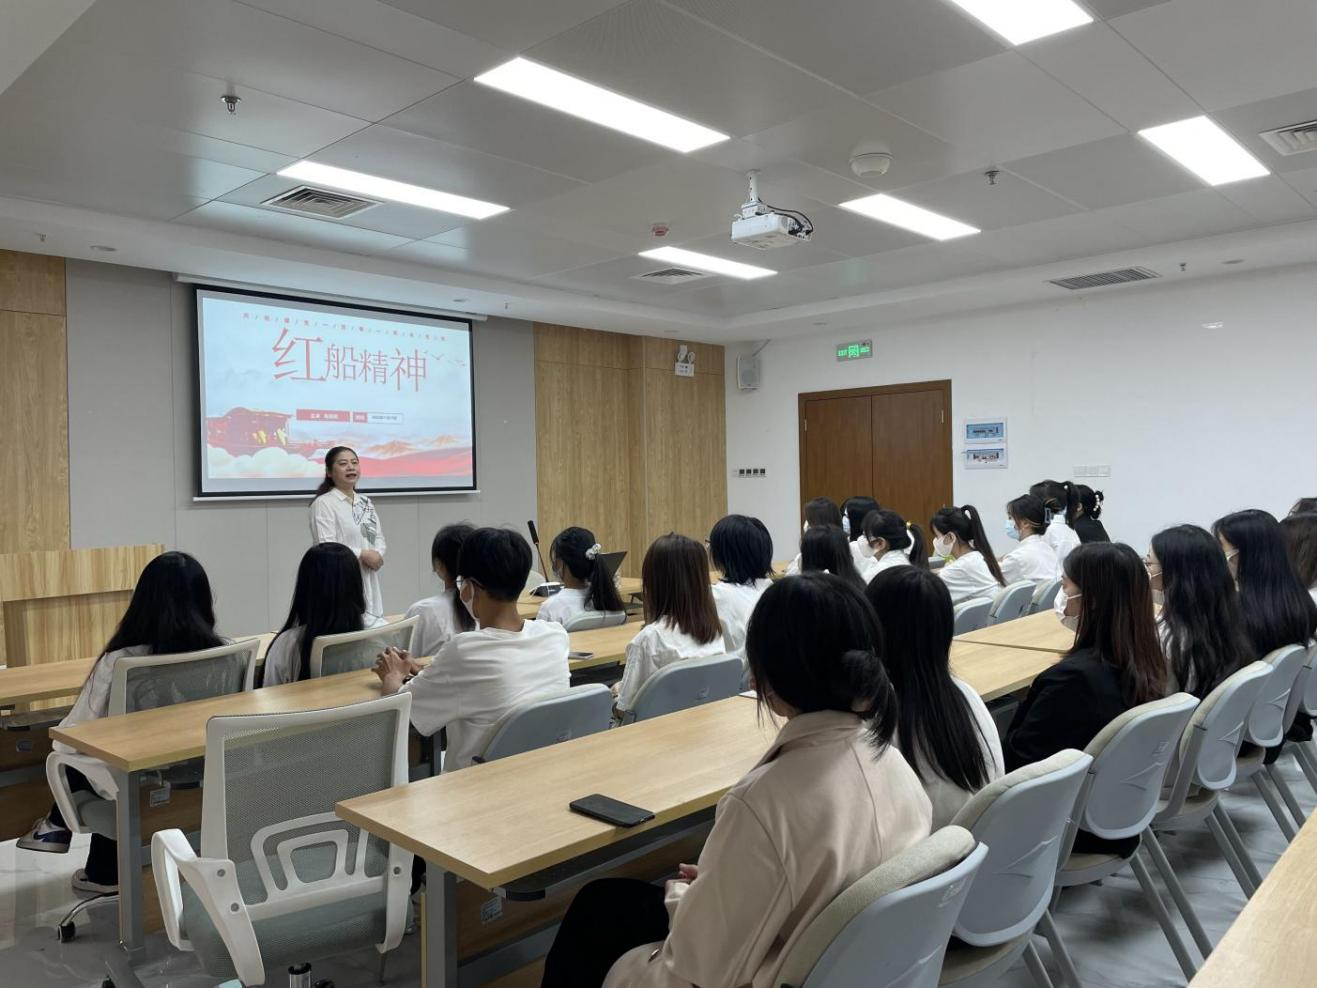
1278, 610
328, 598
572, 547
825, 547
444, 549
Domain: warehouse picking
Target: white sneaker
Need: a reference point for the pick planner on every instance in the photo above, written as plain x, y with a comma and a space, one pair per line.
82, 884
45, 837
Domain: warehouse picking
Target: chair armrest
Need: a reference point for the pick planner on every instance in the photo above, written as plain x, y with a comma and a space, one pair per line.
97, 773
215, 882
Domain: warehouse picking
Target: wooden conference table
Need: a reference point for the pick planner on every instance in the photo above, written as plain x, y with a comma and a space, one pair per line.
1038, 631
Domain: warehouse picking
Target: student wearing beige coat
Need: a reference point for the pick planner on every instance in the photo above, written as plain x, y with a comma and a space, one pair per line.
830, 800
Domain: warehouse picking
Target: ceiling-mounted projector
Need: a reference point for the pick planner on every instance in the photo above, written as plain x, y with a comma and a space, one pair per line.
765, 227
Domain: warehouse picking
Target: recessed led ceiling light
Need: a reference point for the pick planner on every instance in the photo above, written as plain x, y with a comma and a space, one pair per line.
1205, 149
910, 217
704, 262
559, 91
1019, 21
387, 188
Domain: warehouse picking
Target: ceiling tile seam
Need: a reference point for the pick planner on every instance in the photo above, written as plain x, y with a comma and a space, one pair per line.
1164, 74
566, 30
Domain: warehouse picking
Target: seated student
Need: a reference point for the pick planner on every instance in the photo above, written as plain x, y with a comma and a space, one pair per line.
681, 621
973, 571
825, 549
171, 611
1278, 610
853, 512
1115, 664
1033, 559
1201, 626
587, 585
1088, 509
442, 616
818, 511
830, 800
328, 599
944, 728
889, 540
1300, 531
1060, 500
480, 675
741, 548
1304, 505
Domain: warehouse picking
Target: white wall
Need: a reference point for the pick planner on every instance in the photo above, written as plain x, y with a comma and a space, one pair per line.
1194, 422
132, 439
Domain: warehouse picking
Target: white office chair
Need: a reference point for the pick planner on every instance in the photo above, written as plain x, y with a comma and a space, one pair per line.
589, 620
972, 615
1012, 602
1304, 752
685, 684
280, 879
145, 682
1268, 722
892, 926
550, 720
1045, 596
354, 650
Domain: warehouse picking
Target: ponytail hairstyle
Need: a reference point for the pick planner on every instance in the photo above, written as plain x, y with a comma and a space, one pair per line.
1028, 507
742, 549
965, 524
328, 598
327, 482
1116, 617
1300, 531
444, 549
1059, 497
900, 535
814, 643
856, 509
577, 549
936, 730
826, 548
1090, 500
675, 580
822, 511
1278, 610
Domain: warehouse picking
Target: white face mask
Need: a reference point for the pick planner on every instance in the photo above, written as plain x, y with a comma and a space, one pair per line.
1012, 531
846, 524
942, 546
468, 603
1062, 601
866, 549
804, 528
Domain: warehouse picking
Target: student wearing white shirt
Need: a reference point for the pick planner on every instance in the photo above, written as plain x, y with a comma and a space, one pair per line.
853, 512
480, 675
972, 570
681, 621
944, 728
741, 548
587, 585
442, 616
339, 514
818, 511
171, 611
1300, 531
889, 540
1060, 502
1033, 559
327, 600
825, 549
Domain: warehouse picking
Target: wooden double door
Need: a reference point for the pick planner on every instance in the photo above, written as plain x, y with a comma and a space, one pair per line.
891, 442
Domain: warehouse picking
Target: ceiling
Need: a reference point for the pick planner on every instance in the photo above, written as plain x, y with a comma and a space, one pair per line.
115, 135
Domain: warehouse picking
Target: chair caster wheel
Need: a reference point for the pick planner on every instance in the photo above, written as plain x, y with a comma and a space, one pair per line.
66, 932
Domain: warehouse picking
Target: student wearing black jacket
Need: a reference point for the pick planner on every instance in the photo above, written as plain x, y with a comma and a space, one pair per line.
1116, 664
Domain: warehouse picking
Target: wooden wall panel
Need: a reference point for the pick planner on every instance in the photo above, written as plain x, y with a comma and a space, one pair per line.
31, 283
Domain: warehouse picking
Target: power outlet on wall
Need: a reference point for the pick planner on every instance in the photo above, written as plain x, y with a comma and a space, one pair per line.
748, 473
1093, 470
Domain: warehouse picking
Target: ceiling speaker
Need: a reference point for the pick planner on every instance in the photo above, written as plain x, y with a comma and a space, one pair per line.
748, 373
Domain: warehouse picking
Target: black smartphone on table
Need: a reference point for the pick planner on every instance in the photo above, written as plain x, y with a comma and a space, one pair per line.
614, 811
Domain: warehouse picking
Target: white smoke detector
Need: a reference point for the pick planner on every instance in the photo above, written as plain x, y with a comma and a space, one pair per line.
871, 160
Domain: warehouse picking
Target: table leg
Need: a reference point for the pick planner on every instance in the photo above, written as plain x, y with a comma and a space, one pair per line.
128, 823
440, 953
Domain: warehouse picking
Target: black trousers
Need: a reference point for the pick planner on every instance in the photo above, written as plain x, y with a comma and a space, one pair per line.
605, 920
102, 864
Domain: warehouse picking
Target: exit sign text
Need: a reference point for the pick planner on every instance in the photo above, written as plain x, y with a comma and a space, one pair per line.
855, 351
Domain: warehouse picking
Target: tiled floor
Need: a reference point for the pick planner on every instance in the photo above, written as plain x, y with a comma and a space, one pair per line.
1111, 933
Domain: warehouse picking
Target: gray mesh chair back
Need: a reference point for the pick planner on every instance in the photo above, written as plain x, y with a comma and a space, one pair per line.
589, 620
972, 615
294, 881
1022, 819
1045, 596
1310, 686
892, 926
535, 724
1211, 742
1013, 602
144, 682
1268, 721
354, 650
687, 683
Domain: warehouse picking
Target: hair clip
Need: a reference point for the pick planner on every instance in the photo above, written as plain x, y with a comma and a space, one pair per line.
593, 551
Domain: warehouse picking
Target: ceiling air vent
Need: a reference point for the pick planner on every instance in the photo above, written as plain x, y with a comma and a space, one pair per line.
1104, 278
319, 202
671, 276
1294, 139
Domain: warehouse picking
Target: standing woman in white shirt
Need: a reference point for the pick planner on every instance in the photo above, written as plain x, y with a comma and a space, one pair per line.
1060, 502
889, 540
339, 514
741, 548
972, 570
1300, 531
681, 621
587, 585
442, 616
818, 511
1033, 559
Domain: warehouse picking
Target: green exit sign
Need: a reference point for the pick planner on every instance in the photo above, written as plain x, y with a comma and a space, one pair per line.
855, 351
